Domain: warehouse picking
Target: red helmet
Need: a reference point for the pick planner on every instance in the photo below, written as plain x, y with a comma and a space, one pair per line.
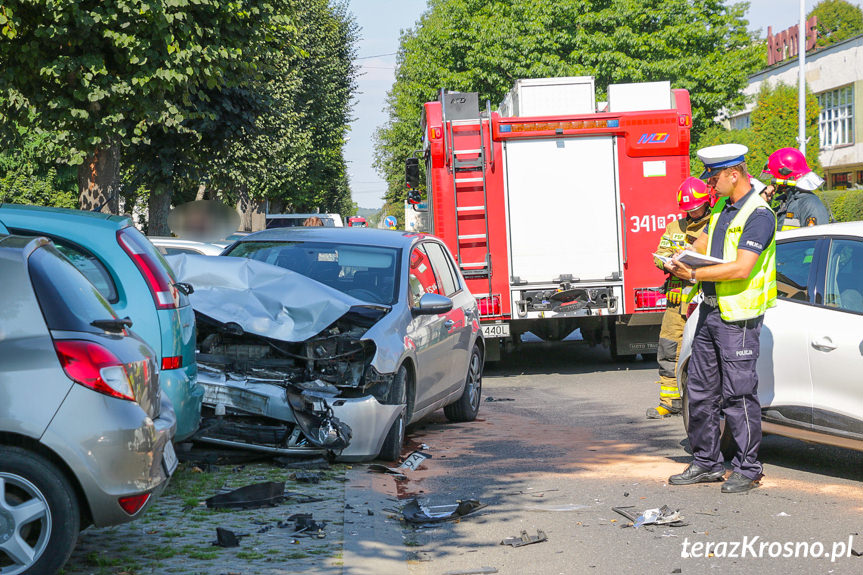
786, 166
693, 193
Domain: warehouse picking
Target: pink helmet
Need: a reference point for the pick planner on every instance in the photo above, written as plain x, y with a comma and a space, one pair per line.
786, 166
693, 193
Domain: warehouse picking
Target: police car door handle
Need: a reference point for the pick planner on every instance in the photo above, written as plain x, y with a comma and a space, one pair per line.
823, 344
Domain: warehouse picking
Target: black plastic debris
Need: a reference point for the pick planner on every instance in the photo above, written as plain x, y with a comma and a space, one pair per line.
304, 524
477, 571
490, 398
249, 497
226, 538
306, 477
305, 463
525, 539
413, 512
380, 468
414, 460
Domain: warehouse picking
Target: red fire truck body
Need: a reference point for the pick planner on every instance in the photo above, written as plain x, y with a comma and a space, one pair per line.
553, 219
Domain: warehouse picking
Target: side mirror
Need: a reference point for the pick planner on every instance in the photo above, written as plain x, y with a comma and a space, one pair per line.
412, 178
433, 304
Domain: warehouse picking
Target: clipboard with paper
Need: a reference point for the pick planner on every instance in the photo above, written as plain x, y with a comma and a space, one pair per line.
692, 259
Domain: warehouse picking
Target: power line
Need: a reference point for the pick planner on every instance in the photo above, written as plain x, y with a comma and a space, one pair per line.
376, 56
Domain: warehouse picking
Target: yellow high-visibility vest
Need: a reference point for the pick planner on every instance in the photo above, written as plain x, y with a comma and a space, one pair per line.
747, 298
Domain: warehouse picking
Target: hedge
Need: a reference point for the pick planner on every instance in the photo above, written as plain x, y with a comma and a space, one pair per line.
845, 205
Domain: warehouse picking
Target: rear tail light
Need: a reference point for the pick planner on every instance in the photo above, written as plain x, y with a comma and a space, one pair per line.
174, 362
133, 503
489, 305
161, 286
94, 367
649, 299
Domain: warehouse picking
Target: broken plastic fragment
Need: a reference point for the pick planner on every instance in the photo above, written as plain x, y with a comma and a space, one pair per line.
413, 512
414, 460
379, 468
250, 496
525, 539
226, 538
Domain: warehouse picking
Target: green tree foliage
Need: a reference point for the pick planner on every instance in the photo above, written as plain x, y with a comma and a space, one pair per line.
27, 178
97, 76
485, 45
837, 20
844, 205
773, 126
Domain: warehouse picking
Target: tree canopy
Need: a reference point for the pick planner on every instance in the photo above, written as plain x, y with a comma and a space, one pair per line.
837, 20
773, 126
485, 45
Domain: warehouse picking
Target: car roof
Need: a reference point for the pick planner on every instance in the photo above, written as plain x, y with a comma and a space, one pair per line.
357, 236
75, 217
837, 229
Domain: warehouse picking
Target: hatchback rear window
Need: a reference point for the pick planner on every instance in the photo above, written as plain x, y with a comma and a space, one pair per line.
69, 302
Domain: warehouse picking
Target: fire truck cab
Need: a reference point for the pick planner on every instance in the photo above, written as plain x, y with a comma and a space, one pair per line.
553, 205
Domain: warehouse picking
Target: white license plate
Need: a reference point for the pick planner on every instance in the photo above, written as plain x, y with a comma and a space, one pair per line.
495, 330
169, 457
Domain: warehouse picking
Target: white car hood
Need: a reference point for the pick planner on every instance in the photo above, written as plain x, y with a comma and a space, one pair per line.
261, 298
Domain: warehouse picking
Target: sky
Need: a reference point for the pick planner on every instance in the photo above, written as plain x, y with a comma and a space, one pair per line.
381, 22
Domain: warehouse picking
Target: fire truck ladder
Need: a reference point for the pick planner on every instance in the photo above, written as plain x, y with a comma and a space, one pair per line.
468, 168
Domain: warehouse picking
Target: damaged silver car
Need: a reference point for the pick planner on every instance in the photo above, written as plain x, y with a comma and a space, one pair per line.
318, 340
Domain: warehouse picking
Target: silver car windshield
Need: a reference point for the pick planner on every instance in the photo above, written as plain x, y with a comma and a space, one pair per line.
368, 273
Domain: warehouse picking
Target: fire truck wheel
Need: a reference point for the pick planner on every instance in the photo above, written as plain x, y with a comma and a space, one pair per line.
467, 406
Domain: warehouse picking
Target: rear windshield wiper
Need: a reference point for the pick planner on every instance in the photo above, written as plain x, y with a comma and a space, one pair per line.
113, 324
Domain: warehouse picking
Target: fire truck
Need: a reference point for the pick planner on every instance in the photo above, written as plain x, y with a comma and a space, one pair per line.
553, 204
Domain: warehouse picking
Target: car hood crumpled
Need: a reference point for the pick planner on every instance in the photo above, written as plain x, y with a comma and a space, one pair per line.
261, 298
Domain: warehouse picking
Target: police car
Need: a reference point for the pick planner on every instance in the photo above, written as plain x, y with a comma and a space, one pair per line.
811, 355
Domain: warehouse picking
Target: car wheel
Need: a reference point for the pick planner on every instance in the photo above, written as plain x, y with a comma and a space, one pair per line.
398, 395
39, 515
727, 445
467, 406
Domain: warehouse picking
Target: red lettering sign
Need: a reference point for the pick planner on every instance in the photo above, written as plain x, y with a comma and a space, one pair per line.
783, 45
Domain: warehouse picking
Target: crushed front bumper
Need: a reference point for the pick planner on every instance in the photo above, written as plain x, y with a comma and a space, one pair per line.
368, 419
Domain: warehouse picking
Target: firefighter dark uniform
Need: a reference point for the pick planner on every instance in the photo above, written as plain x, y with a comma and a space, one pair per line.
800, 209
678, 234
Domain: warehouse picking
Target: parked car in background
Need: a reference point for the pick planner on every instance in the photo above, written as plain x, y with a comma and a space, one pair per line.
367, 328
296, 220
135, 279
85, 431
811, 354
174, 246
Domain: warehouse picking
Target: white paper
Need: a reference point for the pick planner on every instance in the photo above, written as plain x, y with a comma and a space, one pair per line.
653, 169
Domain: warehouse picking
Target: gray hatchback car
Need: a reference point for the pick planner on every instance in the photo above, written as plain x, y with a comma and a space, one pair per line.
374, 328
85, 431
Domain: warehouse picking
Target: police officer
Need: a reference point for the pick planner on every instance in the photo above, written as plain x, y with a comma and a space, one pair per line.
726, 343
694, 199
795, 183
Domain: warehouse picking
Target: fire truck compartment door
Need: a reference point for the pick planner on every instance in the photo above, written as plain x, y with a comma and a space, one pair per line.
562, 208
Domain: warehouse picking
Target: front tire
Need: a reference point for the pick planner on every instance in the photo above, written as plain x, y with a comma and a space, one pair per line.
467, 406
398, 395
39, 514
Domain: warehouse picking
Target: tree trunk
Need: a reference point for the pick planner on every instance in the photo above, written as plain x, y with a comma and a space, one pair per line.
159, 208
252, 212
202, 192
98, 181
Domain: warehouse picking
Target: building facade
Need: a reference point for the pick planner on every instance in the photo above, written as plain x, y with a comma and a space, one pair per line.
835, 76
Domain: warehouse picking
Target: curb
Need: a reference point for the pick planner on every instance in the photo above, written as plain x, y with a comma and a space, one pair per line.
373, 544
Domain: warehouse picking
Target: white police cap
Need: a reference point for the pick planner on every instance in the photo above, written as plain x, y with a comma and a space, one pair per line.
716, 158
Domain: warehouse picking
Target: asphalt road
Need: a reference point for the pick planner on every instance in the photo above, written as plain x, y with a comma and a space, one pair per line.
574, 443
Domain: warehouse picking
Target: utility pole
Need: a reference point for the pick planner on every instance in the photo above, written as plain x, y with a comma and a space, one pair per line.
801, 82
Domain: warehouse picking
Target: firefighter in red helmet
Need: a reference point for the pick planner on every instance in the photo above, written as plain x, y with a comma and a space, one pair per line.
696, 199
794, 183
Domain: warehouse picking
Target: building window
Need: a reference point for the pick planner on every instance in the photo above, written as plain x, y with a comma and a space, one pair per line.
836, 120
860, 177
740, 122
841, 181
